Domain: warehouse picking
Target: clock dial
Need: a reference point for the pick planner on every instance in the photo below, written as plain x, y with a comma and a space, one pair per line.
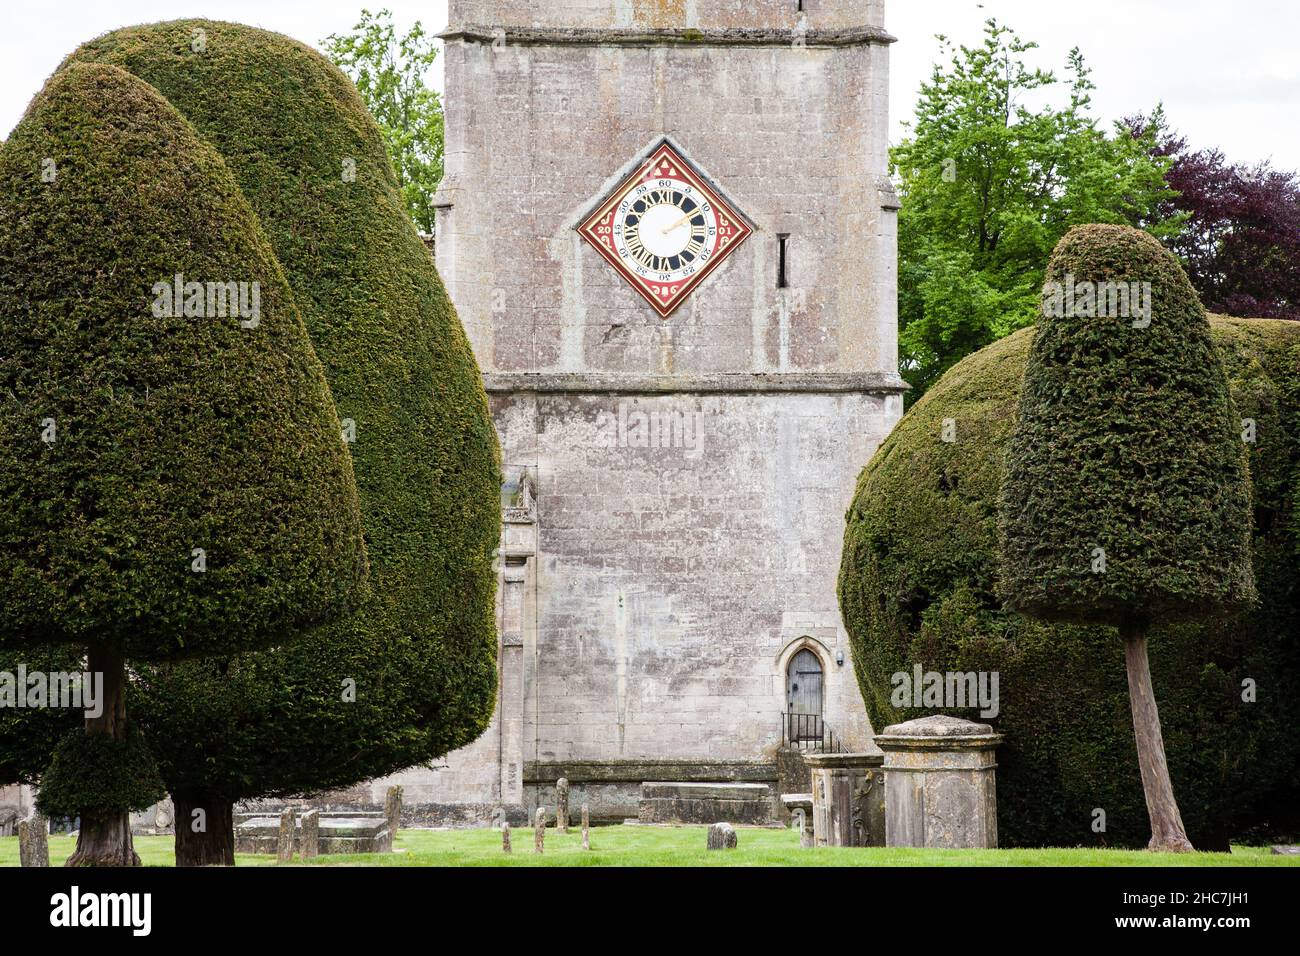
665, 229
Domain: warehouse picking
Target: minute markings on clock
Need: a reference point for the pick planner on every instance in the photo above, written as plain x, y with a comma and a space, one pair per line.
634, 213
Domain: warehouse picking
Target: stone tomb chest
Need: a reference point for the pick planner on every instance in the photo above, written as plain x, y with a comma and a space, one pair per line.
752, 803
848, 799
340, 832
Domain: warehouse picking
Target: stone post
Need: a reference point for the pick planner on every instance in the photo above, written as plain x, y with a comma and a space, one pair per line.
284, 841
393, 810
34, 841
939, 783
848, 799
562, 804
505, 837
310, 845
539, 830
586, 824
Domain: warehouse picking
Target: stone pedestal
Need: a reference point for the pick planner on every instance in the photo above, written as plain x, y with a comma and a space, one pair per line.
939, 783
848, 799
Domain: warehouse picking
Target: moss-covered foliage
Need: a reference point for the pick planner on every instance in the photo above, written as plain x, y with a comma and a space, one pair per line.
919, 580
28, 736
131, 435
1127, 450
422, 651
93, 773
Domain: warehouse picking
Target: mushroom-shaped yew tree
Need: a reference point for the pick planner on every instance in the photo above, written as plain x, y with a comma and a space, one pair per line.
171, 470
1125, 497
411, 675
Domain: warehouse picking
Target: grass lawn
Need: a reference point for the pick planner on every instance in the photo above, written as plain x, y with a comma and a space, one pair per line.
681, 846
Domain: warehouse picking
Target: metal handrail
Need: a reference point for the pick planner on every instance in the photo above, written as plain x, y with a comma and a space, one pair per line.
808, 733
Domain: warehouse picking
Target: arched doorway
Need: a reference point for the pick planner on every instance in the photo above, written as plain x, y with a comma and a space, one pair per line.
803, 695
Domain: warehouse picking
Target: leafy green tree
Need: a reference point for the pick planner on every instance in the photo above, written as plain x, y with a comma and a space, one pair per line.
989, 185
1126, 498
389, 72
173, 481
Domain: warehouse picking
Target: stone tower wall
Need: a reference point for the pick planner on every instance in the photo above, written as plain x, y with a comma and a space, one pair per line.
690, 475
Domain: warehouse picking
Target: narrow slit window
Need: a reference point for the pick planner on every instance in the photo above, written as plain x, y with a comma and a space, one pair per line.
782, 276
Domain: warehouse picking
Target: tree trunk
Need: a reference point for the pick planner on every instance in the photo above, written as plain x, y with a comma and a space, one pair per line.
105, 838
213, 844
1167, 833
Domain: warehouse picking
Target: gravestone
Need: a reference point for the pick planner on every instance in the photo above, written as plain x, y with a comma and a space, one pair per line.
848, 799
156, 820
505, 837
940, 789
284, 840
16, 803
722, 836
562, 804
586, 825
539, 830
33, 841
310, 839
393, 810
800, 806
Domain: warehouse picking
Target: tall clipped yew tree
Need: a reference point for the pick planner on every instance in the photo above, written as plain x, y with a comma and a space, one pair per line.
171, 471
1125, 499
411, 675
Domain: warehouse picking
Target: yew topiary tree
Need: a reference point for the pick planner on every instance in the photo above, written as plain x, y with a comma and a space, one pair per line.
918, 585
1125, 498
173, 479
412, 674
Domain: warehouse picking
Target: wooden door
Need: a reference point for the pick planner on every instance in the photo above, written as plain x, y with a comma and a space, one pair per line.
804, 685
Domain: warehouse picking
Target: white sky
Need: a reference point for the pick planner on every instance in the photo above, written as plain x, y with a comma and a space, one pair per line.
1229, 74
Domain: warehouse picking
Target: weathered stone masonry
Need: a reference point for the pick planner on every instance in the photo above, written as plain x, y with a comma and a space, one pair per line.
677, 487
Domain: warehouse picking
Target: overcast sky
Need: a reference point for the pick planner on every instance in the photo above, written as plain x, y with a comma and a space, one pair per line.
1229, 74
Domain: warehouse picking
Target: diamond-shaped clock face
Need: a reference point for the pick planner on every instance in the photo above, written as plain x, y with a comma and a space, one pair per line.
665, 230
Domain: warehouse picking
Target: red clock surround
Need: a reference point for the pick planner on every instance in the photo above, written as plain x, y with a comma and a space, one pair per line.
664, 229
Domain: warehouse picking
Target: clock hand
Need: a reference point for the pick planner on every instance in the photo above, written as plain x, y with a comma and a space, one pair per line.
680, 222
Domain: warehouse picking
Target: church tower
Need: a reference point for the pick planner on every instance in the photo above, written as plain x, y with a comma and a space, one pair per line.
669, 233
